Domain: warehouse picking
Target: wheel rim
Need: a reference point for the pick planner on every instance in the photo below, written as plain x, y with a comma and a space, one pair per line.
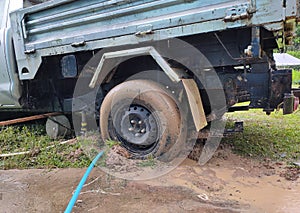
137, 128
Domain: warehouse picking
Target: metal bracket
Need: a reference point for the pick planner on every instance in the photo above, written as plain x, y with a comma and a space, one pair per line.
237, 13
238, 127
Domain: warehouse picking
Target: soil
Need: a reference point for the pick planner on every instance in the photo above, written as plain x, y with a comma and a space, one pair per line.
228, 183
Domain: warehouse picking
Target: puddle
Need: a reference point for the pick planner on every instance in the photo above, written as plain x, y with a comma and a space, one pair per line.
263, 194
260, 193
220, 186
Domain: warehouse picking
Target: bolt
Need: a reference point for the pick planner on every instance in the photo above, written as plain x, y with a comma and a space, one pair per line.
131, 129
140, 122
133, 121
143, 130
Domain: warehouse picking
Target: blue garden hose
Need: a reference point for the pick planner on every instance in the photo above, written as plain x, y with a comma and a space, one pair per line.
81, 183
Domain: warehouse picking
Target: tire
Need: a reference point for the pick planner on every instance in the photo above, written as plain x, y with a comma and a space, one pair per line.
142, 116
58, 126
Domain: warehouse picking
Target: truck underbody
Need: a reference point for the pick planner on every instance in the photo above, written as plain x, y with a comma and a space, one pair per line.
200, 58
243, 80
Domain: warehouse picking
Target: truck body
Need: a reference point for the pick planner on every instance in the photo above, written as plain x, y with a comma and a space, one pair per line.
45, 47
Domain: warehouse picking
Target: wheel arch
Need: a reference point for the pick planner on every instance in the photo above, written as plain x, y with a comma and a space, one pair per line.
106, 70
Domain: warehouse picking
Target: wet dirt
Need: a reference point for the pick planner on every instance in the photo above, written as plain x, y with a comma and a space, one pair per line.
228, 183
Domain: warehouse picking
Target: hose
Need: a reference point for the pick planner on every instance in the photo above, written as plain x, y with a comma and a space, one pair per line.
81, 183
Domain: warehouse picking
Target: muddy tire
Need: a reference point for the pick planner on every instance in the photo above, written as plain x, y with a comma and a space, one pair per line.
142, 116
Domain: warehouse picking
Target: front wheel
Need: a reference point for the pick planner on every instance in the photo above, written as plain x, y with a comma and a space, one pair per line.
143, 117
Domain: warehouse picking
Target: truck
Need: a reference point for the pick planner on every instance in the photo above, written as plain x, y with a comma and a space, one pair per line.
144, 72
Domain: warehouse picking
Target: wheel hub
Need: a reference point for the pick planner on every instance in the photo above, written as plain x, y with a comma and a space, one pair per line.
138, 126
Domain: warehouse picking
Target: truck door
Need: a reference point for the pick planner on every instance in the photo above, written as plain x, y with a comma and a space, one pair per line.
9, 83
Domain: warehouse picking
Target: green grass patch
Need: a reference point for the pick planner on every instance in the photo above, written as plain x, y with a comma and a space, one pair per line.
296, 69
276, 136
294, 53
296, 79
112, 143
33, 138
150, 162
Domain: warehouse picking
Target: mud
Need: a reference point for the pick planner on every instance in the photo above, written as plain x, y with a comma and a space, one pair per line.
227, 183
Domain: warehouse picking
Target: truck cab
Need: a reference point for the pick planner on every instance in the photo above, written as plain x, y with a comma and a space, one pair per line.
9, 82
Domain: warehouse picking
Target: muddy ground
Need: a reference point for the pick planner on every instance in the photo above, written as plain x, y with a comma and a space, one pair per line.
228, 183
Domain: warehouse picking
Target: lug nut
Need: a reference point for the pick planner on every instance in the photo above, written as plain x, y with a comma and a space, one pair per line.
131, 129
140, 122
133, 121
137, 135
143, 130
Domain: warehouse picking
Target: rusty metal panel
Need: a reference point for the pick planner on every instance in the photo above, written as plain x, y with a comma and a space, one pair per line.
64, 26
67, 22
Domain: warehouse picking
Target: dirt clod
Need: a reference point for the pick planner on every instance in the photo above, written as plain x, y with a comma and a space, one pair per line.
121, 151
291, 173
118, 160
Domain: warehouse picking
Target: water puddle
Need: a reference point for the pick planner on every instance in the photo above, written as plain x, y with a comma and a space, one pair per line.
253, 192
263, 194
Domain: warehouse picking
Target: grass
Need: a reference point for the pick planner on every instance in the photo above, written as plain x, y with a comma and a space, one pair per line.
296, 79
112, 143
276, 136
33, 138
150, 162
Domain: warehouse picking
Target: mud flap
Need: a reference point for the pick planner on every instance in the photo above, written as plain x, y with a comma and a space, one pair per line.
195, 103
